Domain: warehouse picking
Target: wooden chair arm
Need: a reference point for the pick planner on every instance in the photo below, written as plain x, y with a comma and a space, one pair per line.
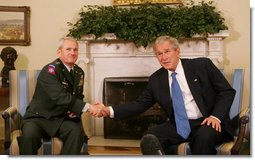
8, 115
9, 112
235, 150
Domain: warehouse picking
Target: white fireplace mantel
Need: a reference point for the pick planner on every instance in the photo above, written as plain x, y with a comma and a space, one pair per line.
114, 58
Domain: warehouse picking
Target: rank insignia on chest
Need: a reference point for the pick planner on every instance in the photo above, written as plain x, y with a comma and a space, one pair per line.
51, 69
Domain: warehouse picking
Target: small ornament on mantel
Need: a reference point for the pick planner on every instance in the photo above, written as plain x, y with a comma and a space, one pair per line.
9, 56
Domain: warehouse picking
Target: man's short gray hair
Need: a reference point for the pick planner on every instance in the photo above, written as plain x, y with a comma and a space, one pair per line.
173, 41
62, 40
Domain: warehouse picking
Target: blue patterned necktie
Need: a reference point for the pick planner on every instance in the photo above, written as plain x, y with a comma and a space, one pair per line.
181, 118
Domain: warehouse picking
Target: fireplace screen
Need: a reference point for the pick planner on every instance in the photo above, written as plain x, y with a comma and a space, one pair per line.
119, 90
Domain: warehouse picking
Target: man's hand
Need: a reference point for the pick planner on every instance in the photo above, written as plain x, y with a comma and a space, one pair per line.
213, 122
106, 112
71, 114
96, 109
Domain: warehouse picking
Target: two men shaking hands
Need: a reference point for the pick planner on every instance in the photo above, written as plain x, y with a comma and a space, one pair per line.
99, 110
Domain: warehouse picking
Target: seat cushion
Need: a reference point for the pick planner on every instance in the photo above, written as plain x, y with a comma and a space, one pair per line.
223, 149
14, 147
56, 147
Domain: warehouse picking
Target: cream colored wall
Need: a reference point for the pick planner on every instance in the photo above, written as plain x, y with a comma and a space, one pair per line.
49, 22
237, 45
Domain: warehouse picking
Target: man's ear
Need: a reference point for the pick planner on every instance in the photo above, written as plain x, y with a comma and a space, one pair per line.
58, 52
178, 50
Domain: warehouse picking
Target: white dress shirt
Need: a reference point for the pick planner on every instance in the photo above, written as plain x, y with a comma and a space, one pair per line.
191, 107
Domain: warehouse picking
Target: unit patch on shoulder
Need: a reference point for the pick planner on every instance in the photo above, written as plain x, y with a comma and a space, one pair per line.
51, 69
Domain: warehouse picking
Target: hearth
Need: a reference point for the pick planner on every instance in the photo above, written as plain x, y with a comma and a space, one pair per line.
119, 90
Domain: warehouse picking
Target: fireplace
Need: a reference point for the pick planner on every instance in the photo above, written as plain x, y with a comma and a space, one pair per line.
120, 90
114, 58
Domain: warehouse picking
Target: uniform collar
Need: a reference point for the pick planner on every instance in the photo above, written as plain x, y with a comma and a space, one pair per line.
68, 68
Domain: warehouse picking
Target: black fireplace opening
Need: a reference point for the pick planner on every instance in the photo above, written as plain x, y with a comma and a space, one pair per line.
120, 90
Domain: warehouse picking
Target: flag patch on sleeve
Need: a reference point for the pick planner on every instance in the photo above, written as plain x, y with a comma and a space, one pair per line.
51, 69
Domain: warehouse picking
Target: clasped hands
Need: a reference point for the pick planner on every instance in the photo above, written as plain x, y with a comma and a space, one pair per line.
99, 110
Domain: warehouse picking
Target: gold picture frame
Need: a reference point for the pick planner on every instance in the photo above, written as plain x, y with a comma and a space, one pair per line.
15, 25
137, 2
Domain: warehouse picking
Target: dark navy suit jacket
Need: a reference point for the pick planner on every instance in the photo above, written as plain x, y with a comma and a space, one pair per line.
211, 91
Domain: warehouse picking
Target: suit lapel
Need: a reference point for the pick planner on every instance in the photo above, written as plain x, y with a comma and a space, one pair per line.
165, 91
192, 78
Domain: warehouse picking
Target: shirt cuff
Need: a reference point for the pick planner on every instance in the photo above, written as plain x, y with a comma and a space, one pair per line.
86, 107
216, 118
111, 112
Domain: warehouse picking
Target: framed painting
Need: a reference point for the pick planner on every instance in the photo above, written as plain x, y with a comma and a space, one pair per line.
137, 2
15, 25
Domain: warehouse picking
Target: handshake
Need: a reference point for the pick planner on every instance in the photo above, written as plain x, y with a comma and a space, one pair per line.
99, 110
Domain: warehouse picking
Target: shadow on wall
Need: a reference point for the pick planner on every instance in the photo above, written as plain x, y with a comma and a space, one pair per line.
22, 62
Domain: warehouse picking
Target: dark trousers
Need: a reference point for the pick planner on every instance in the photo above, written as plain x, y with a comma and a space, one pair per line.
70, 132
203, 139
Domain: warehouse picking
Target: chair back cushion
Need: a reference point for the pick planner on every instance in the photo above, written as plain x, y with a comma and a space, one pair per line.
237, 84
22, 88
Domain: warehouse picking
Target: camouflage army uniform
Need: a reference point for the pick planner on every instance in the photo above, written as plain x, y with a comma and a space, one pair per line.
56, 93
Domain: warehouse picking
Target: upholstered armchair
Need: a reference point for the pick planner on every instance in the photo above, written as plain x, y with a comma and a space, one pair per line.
22, 86
240, 120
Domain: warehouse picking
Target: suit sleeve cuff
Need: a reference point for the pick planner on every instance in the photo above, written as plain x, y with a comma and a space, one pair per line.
216, 118
111, 112
86, 107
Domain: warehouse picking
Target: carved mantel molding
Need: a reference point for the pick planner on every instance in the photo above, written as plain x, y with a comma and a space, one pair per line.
197, 46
